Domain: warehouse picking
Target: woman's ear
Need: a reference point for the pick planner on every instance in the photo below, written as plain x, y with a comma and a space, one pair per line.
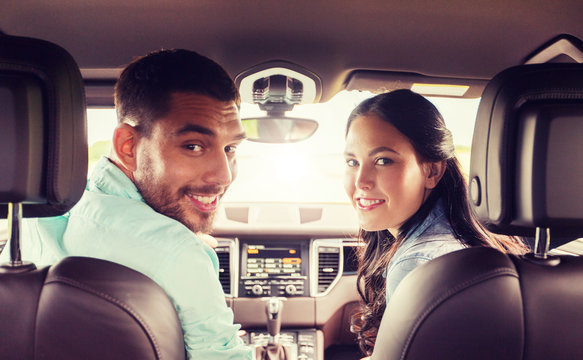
434, 173
125, 138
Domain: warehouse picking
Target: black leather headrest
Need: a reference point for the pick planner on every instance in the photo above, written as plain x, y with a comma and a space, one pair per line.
85, 308
527, 151
479, 303
43, 142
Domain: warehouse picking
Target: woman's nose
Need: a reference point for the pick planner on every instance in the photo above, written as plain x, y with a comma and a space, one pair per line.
364, 179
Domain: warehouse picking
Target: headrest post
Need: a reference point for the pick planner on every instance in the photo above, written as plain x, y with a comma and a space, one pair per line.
541, 242
14, 222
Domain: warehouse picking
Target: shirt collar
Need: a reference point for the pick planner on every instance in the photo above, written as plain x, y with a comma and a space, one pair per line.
108, 179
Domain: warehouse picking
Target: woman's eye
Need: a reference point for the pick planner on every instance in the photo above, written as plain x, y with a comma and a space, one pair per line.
193, 147
383, 161
351, 163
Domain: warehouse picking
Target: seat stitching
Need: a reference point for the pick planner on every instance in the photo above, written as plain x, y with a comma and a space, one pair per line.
114, 300
452, 291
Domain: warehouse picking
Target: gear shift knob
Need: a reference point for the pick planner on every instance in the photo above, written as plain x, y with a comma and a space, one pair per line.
273, 309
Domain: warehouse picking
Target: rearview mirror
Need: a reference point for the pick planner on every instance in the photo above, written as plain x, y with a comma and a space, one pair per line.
277, 129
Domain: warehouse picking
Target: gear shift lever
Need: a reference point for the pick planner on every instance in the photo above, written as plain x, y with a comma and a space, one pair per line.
273, 309
275, 349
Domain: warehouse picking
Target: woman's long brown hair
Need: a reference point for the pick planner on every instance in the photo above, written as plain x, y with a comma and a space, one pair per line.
419, 120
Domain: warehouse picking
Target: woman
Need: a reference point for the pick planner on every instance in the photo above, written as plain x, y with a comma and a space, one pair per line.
410, 195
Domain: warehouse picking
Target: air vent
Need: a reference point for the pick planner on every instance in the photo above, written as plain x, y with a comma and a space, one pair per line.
224, 268
328, 261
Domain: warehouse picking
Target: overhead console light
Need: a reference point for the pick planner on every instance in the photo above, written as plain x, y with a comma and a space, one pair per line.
440, 89
303, 86
384, 81
277, 92
563, 48
277, 86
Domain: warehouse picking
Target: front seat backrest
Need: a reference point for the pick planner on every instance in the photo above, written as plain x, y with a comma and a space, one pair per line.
525, 179
79, 308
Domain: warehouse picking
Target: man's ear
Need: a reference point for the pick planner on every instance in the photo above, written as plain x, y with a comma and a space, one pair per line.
434, 173
125, 139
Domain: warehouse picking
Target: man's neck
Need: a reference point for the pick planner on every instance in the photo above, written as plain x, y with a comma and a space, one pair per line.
114, 160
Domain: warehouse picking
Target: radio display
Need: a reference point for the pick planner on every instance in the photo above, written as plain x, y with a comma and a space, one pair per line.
264, 261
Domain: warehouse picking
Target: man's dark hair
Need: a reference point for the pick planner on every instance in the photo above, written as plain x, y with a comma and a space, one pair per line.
145, 86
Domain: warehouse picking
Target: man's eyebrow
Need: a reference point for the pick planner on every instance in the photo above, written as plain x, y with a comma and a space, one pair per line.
194, 128
241, 136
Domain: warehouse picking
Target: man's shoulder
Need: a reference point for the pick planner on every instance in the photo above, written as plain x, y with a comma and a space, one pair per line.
127, 217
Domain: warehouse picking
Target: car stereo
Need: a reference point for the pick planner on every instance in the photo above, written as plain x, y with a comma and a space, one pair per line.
275, 269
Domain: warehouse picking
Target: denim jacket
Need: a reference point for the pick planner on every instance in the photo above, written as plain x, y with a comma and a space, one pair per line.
432, 238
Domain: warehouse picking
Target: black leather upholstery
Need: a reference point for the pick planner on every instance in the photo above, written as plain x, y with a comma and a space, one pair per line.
94, 309
80, 308
83, 308
43, 151
527, 165
449, 310
481, 304
19, 296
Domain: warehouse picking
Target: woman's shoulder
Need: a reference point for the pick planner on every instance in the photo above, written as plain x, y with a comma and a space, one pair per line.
429, 246
419, 251
433, 234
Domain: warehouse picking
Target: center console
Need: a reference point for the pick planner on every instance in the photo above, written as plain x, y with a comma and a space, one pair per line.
304, 342
299, 271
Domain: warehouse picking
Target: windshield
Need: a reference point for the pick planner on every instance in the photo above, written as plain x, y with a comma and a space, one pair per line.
310, 171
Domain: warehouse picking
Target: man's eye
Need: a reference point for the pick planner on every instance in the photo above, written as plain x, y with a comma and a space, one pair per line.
193, 147
383, 161
230, 149
351, 163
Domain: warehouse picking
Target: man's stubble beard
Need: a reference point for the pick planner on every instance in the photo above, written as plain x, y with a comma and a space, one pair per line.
161, 200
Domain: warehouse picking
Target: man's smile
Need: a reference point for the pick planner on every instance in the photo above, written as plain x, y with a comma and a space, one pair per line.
204, 203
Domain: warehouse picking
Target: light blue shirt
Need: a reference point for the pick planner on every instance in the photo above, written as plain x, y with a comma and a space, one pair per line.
112, 222
432, 238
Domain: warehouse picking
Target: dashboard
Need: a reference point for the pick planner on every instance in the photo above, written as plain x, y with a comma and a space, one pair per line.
252, 268
315, 278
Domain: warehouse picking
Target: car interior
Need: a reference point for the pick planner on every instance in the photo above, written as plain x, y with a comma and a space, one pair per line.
506, 76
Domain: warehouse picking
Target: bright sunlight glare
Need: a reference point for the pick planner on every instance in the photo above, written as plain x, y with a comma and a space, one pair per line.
308, 171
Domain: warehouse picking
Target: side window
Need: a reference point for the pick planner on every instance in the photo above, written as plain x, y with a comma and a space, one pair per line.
100, 125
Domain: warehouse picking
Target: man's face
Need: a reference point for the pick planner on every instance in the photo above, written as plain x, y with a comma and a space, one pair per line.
187, 163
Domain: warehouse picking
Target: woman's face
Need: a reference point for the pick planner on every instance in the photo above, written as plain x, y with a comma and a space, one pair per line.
384, 178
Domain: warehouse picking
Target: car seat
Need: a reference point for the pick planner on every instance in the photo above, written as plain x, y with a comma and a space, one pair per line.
526, 178
79, 308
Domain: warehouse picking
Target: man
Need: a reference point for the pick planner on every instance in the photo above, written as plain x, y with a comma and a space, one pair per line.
172, 160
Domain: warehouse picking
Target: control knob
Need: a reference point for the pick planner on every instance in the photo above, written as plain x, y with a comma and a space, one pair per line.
290, 289
257, 289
